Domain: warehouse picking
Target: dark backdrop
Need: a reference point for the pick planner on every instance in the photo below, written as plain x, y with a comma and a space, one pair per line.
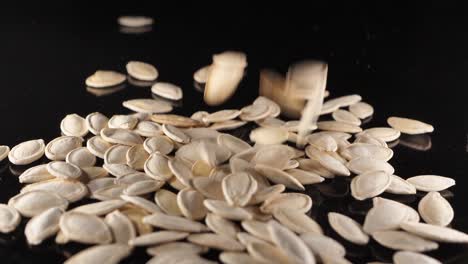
405, 60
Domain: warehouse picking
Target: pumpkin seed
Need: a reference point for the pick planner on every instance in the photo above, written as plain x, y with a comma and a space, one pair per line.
32, 203
142, 203
183, 173
346, 117
228, 257
122, 121
254, 112
407, 257
100, 208
209, 187
386, 134
435, 210
162, 144
216, 241
59, 148
305, 177
63, 170
43, 226
322, 142
290, 243
201, 168
276, 156
266, 253
435, 233
368, 139
74, 125
9, 218
222, 115
157, 238
356, 150
297, 221
362, 110
343, 101
266, 193
314, 166
136, 157
328, 161
293, 201
190, 203
201, 75
157, 167
176, 223
238, 188
141, 70
104, 254
227, 125
362, 165
95, 122
118, 170
348, 228
269, 136
108, 193
130, 179
121, 136
223, 209
135, 21
102, 79
143, 187
97, 146
35, 174
167, 201
100, 183
85, 228
70, 190
273, 108
81, 157
221, 226
4, 150
399, 240
369, 184
27, 152
175, 120
338, 127
431, 183
280, 177
400, 186
149, 106
323, 246
148, 129
234, 144
175, 134
409, 126
167, 90
246, 239
176, 247
174, 258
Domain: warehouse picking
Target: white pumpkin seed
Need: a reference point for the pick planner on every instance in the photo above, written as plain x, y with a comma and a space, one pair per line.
222, 115
108, 193
435, 210
122, 121
32, 203
293, 201
407, 257
399, 240
81, 157
338, 127
276, 156
343, 101
435, 233
157, 167
267, 253
9, 218
148, 129
74, 125
238, 188
305, 177
269, 136
209, 187
228, 257
216, 241
35, 174
118, 170
266, 193
59, 148
100, 183
167, 201
223, 209
70, 190
362, 165
344, 116
97, 146
386, 134
297, 221
116, 154
27, 152
136, 157
409, 126
356, 150
221, 226
400, 186
43, 226
280, 177
130, 179
431, 183
175, 134
149, 106
134, 21
314, 166
348, 228
180, 169
142, 203
176, 247
323, 246
167, 90
273, 107
121, 136
85, 228
143, 187
142, 70
162, 144
100, 208
190, 203
369, 184
362, 110
234, 144
95, 122
227, 125
201, 75
63, 170
157, 238
254, 112
103, 254
322, 142
176, 223
368, 139
328, 161
102, 79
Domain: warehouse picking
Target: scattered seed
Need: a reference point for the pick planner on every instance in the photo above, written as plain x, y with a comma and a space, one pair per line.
102, 79
399, 240
407, 257
43, 226
435, 210
9, 218
346, 117
409, 126
149, 106
348, 228
27, 152
121, 136
431, 183
74, 125
167, 90
216, 241
33, 203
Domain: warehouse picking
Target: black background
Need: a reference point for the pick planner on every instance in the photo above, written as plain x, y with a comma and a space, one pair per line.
404, 60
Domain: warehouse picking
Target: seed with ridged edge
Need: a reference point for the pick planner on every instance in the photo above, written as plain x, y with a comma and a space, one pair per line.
43, 225
435, 210
85, 228
9, 218
348, 228
399, 240
238, 188
27, 152
142, 70
216, 241
167, 90
32, 203
431, 183
103, 254
176, 223
369, 184
104, 78
409, 126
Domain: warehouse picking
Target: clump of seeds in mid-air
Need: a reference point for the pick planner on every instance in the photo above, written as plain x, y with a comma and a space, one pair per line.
181, 186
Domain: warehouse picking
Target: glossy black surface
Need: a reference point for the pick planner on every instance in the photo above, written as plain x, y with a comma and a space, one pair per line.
404, 61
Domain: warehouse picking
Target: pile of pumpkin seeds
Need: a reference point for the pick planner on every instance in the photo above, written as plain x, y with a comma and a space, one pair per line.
182, 186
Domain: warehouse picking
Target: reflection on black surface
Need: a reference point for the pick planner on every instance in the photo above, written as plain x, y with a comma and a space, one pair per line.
421, 142
135, 30
139, 83
393, 143
98, 92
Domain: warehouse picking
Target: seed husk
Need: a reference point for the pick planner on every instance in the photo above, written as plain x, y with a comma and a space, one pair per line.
35, 174
314, 166
228, 257
123, 121
108, 193
95, 122
305, 177
157, 167
431, 183
362, 110
297, 221
58, 148
4, 150
190, 203
162, 144
63, 170
27, 152
338, 102
290, 243
175, 120
328, 161
409, 126
254, 112
348, 228
105, 78
74, 125
70, 190
175, 223
167, 201
322, 141
356, 150
130, 179
227, 125
167, 90
32, 203
121, 136
97, 146
435, 210
266, 193
238, 188
294, 201
216, 241
276, 156
103, 254
209, 187
234, 144
223, 209
400, 240
136, 157
9, 218
100, 183
121, 227
221, 116
157, 238
221, 225
43, 225
149, 106
369, 184
85, 228
143, 187
407, 257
